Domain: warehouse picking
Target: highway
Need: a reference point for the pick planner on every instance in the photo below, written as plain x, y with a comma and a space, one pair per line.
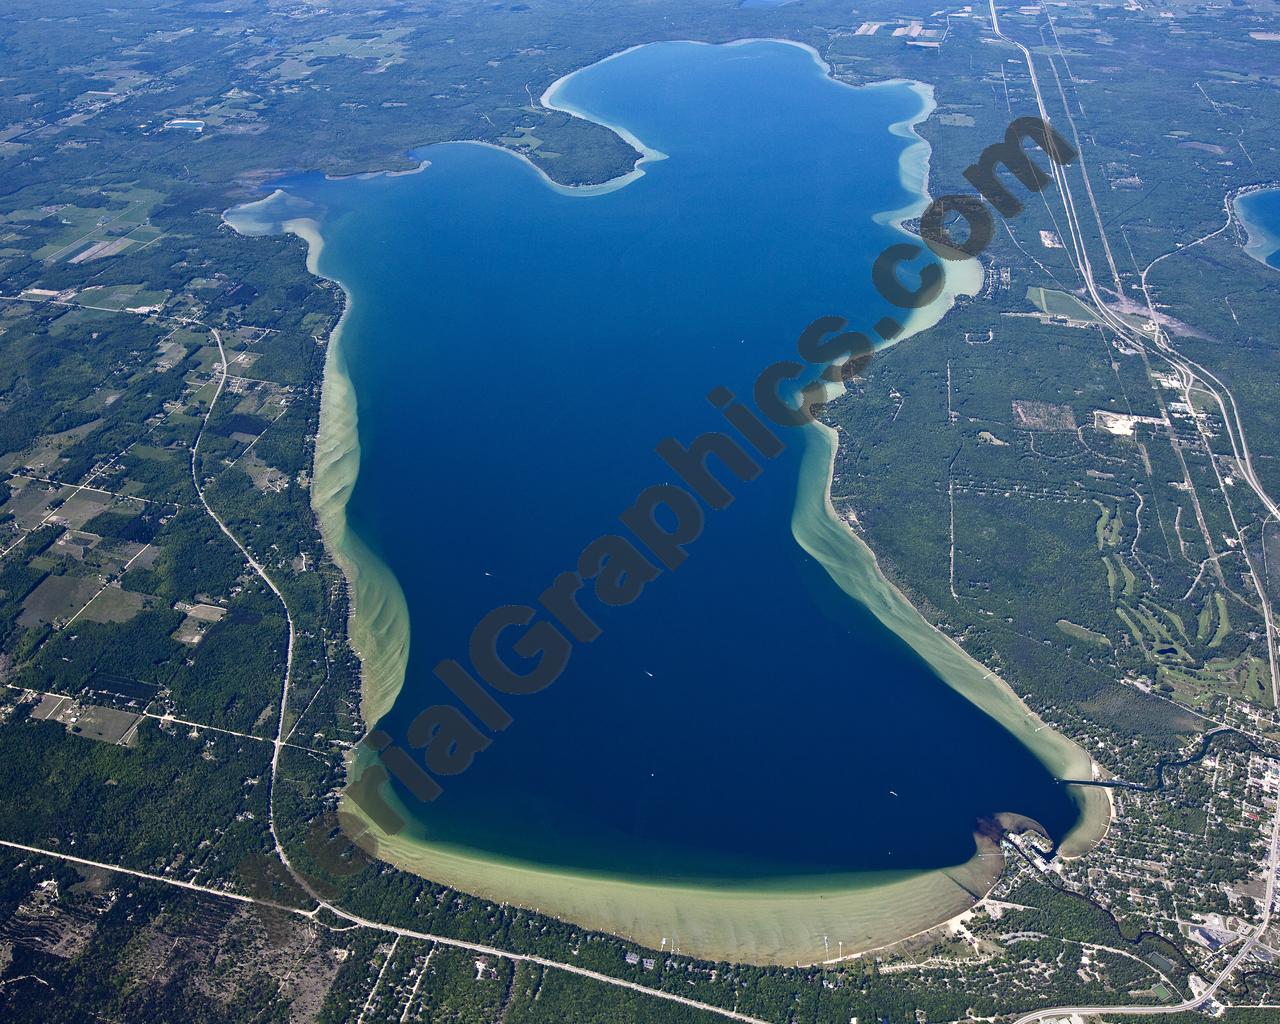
1193, 376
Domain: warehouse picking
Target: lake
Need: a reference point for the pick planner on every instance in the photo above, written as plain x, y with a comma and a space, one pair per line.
514, 351
1260, 212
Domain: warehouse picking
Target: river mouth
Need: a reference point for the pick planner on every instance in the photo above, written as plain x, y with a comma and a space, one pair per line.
744, 754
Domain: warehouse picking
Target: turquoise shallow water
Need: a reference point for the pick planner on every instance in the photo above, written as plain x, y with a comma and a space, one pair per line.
1261, 214
518, 351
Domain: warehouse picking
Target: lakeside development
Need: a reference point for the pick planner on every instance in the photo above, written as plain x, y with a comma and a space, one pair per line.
379, 620
801, 920
853, 565
1074, 476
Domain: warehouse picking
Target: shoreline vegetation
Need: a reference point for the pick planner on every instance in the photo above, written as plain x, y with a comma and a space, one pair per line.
802, 921
1264, 241
378, 623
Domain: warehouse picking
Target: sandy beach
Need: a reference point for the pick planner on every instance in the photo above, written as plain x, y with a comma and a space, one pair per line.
819, 529
1263, 241
802, 922
806, 921
379, 618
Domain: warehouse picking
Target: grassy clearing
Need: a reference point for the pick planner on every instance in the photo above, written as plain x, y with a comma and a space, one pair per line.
1167, 645
1107, 530
1245, 677
1158, 644
1113, 577
106, 725
1130, 580
1224, 621
1174, 619
1204, 621
79, 228
58, 597
113, 605
1081, 633
122, 296
1056, 303
1101, 528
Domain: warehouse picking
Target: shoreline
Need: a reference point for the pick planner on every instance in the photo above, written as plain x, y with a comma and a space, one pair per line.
421, 166
781, 923
766, 924
855, 568
378, 616
1264, 242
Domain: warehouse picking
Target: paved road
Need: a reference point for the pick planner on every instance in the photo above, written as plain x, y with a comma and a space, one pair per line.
193, 886
279, 744
1235, 429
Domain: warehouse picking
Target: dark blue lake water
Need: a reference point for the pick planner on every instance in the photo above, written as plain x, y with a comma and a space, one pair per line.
518, 352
